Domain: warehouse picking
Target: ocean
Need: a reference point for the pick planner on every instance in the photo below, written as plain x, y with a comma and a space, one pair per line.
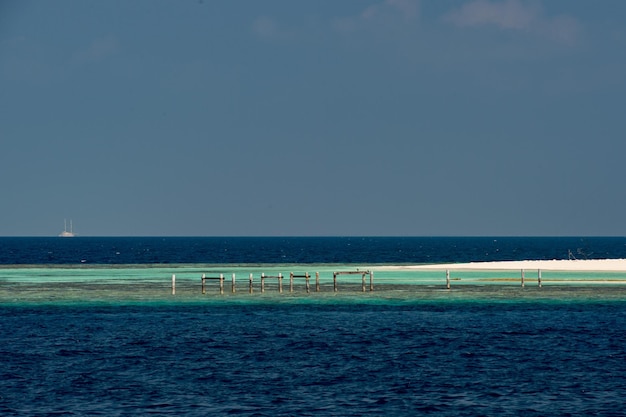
89, 326
307, 250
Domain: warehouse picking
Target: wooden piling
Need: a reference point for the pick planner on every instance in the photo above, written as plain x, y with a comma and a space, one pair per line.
363, 282
335, 281
250, 283
234, 288
317, 282
447, 278
221, 283
173, 284
203, 282
371, 281
263, 282
308, 287
291, 282
523, 284
539, 277
280, 283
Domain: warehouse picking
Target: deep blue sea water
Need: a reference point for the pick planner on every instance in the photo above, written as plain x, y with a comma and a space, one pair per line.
344, 250
558, 350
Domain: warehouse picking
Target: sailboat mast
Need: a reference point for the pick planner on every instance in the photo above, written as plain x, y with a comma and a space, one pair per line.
65, 232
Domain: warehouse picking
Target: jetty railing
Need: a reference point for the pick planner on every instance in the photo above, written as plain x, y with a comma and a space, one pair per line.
221, 280
307, 278
362, 273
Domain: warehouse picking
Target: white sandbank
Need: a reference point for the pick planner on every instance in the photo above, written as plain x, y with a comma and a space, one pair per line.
616, 265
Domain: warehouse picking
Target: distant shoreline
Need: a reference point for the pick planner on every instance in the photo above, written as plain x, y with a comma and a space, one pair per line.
615, 265
574, 265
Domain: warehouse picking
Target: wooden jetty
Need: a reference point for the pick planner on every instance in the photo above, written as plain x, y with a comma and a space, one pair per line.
307, 278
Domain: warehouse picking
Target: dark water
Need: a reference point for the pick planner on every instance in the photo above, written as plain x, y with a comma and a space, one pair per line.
455, 355
246, 250
263, 360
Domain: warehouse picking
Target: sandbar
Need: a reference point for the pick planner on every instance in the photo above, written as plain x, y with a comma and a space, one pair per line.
615, 265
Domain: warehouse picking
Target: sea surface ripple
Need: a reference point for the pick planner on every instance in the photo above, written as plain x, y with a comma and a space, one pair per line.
456, 359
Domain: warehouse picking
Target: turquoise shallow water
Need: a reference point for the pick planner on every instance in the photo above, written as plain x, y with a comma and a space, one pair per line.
153, 284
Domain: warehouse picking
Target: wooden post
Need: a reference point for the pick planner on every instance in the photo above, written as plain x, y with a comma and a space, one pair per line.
539, 277
317, 282
363, 282
263, 282
291, 282
335, 281
173, 284
221, 283
308, 287
234, 289
371, 281
280, 283
447, 278
203, 288
250, 283
523, 284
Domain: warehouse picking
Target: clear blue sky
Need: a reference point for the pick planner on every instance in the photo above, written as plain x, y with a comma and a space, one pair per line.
325, 117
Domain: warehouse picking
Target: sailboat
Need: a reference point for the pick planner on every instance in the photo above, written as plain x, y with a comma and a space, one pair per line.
65, 233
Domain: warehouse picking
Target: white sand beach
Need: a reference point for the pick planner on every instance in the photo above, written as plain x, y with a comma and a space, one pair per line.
616, 265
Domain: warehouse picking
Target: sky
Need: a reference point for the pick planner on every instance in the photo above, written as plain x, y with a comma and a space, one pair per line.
313, 118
